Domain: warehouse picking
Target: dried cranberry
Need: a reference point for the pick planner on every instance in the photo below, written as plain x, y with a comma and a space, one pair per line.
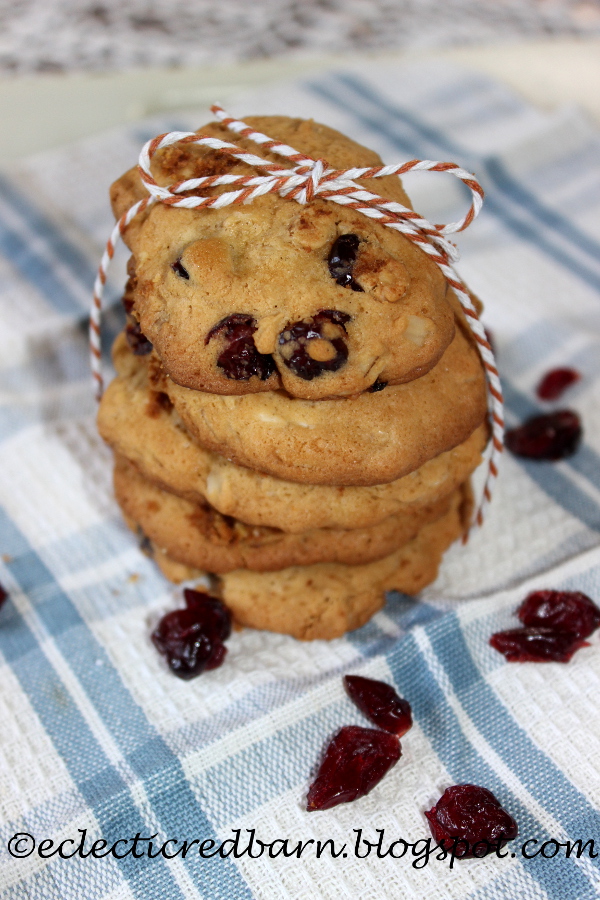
212, 609
127, 303
342, 257
550, 437
145, 543
137, 341
555, 382
568, 611
180, 269
315, 345
380, 703
240, 360
3, 595
191, 639
539, 644
355, 761
377, 386
470, 821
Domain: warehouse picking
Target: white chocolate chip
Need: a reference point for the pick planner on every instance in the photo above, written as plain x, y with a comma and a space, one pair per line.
384, 278
418, 330
312, 228
214, 486
269, 417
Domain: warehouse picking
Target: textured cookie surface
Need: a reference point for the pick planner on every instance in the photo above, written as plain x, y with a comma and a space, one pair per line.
143, 426
319, 299
326, 600
370, 439
199, 536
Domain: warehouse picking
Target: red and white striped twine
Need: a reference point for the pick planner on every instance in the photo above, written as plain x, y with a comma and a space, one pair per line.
306, 179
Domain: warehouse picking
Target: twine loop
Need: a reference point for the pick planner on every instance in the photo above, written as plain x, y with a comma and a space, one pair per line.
304, 181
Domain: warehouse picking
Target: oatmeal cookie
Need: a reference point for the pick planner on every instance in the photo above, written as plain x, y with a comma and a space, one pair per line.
318, 298
367, 440
143, 426
324, 601
197, 535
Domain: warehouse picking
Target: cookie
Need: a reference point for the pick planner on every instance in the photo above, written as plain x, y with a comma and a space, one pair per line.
367, 440
143, 426
318, 299
326, 600
197, 535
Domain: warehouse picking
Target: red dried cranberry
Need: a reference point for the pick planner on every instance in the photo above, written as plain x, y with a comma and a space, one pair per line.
127, 304
536, 644
298, 352
341, 260
377, 386
3, 595
569, 611
470, 821
555, 382
211, 609
380, 703
355, 761
137, 341
191, 639
241, 360
550, 437
145, 544
180, 269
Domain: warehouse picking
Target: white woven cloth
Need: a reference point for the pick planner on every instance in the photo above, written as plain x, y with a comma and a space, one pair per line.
97, 734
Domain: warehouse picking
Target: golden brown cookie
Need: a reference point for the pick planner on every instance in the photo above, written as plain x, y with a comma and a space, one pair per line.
371, 439
197, 535
143, 426
326, 600
317, 298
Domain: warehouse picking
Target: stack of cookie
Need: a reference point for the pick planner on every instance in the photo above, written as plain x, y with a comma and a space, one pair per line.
299, 403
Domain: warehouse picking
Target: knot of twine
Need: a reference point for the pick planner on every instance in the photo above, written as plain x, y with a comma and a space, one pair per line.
304, 181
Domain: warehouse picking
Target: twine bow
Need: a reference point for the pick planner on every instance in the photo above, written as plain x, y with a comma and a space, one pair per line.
304, 181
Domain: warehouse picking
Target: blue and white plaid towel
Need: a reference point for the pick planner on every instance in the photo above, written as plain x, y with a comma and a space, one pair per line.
100, 742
